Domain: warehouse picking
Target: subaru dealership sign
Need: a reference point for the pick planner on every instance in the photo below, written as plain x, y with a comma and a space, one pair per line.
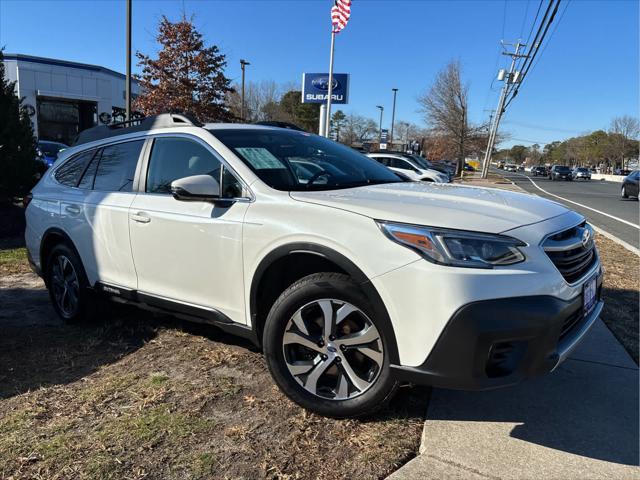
315, 88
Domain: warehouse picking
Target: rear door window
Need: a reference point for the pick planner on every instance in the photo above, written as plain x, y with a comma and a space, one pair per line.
402, 164
70, 172
117, 167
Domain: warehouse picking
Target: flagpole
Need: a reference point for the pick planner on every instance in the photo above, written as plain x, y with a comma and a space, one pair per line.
327, 119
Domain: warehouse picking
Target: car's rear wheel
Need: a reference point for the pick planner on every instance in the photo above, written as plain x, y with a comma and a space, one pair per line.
326, 348
68, 285
623, 192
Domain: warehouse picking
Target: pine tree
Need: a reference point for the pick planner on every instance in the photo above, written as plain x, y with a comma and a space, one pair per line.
187, 77
17, 143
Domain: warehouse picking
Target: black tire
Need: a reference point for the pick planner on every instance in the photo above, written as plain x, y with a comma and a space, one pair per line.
305, 291
85, 307
623, 192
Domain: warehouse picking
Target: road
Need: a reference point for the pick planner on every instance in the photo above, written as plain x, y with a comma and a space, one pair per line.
598, 201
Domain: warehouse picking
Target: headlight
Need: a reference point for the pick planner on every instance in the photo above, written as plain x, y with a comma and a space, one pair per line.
456, 247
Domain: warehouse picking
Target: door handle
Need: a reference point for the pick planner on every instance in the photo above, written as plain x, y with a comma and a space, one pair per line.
140, 218
72, 209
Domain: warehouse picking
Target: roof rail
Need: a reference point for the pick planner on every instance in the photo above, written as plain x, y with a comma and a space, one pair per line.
163, 120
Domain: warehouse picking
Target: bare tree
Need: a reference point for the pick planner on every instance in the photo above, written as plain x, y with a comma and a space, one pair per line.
260, 99
625, 130
445, 109
358, 129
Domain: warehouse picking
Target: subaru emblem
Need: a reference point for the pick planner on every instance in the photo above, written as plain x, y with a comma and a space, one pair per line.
322, 83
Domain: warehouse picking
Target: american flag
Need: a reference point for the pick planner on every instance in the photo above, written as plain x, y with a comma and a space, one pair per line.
340, 14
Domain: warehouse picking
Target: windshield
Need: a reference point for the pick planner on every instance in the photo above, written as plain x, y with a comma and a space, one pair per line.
582, 169
563, 169
422, 162
51, 149
290, 160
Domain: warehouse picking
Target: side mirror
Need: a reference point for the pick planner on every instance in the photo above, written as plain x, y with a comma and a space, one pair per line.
196, 188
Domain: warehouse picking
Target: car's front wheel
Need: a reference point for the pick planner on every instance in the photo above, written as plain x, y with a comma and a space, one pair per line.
326, 349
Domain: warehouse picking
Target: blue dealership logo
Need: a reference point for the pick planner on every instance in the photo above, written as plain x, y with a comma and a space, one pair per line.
315, 88
322, 83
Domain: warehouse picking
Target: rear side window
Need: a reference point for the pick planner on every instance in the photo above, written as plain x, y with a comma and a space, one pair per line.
397, 163
117, 167
70, 172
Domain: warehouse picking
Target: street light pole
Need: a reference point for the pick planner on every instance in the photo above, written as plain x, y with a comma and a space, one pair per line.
127, 94
381, 110
243, 64
393, 114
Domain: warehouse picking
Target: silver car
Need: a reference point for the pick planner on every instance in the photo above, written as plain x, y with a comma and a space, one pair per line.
581, 173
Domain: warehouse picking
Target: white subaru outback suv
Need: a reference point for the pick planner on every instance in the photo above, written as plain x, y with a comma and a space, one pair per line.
351, 280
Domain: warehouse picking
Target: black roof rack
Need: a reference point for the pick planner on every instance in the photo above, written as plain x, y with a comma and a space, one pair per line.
164, 120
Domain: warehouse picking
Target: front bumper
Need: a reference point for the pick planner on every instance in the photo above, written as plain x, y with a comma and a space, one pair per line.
496, 343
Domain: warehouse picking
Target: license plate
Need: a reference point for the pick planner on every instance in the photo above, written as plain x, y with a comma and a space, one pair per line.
589, 295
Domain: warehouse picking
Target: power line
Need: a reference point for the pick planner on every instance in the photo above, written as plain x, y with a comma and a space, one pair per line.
533, 47
544, 47
542, 128
534, 22
529, 61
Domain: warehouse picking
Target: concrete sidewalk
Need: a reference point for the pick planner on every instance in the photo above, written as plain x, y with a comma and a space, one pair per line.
579, 422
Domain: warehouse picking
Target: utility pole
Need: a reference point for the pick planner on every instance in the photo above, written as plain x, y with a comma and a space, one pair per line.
393, 115
510, 78
127, 95
380, 128
243, 63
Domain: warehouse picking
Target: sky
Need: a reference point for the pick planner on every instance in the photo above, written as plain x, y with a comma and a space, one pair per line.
586, 75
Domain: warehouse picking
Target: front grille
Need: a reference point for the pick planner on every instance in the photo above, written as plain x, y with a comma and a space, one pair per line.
572, 251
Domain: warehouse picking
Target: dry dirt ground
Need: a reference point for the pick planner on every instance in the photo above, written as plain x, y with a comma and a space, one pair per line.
143, 396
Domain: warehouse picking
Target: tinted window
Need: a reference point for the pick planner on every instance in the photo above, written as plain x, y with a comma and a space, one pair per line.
117, 167
292, 160
397, 163
174, 158
70, 172
89, 174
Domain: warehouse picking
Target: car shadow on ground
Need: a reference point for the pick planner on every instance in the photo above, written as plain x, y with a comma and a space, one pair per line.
588, 406
38, 350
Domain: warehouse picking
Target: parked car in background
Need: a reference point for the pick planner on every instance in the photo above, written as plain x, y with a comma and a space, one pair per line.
412, 167
469, 168
560, 172
510, 167
326, 273
521, 168
47, 152
630, 185
581, 173
539, 170
621, 171
501, 164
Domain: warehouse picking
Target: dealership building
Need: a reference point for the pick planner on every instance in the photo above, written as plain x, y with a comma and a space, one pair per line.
64, 98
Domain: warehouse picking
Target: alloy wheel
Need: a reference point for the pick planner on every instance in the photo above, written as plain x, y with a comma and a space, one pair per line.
65, 285
333, 349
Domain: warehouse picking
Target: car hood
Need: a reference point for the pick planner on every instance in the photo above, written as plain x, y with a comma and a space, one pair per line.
443, 205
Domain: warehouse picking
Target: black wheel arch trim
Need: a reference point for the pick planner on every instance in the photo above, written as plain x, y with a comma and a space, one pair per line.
54, 231
341, 261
